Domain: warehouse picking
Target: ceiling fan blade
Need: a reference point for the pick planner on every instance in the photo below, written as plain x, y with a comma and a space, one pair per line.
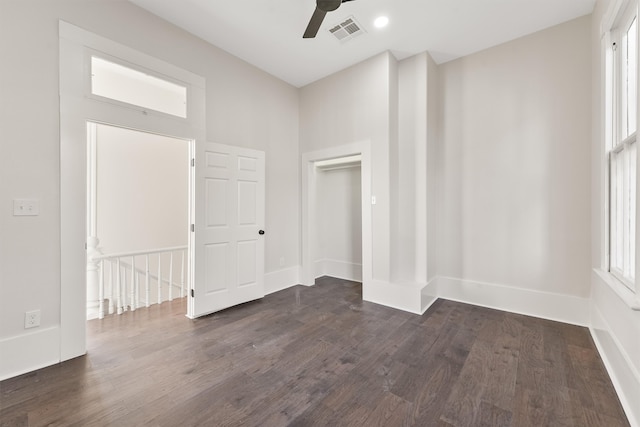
314, 24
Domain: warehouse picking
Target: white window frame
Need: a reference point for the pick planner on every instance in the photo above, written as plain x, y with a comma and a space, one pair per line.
619, 146
92, 53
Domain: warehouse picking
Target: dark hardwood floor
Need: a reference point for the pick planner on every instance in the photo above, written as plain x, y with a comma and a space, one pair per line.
321, 357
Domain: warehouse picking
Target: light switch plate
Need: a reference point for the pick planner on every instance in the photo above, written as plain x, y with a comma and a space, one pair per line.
26, 207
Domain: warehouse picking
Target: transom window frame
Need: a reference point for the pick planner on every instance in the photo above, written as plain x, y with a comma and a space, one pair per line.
89, 53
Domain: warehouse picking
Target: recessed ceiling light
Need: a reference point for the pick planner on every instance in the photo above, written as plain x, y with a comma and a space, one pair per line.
381, 22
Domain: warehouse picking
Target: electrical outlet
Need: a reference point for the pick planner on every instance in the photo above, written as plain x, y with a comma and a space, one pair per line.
32, 319
24, 207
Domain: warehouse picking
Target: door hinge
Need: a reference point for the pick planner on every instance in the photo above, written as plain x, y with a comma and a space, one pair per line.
193, 294
193, 162
193, 228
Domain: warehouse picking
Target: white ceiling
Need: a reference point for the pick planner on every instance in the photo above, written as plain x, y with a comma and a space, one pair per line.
268, 33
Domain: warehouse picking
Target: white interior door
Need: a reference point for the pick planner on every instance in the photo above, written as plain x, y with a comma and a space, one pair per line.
229, 219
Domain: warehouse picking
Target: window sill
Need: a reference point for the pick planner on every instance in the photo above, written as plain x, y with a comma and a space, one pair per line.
620, 289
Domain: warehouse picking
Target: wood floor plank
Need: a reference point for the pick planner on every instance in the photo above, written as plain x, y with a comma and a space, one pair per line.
531, 365
390, 410
463, 405
430, 400
320, 356
412, 381
503, 365
493, 416
590, 368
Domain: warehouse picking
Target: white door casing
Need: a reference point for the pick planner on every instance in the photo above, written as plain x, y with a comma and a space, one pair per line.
309, 222
77, 108
229, 216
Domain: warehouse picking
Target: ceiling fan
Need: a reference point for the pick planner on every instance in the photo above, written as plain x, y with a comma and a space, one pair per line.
322, 7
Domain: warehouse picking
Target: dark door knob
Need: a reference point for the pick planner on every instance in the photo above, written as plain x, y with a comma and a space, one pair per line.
261, 232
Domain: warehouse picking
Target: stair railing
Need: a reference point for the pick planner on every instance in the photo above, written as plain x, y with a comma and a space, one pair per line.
119, 278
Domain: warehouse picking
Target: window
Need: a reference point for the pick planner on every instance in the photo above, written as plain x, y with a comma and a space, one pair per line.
622, 114
115, 81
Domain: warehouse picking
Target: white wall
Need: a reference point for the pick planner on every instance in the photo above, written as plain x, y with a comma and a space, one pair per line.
414, 172
339, 219
245, 107
353, 106
405, 164
356, 105
142, 190
516, 164
434, 168
385, 103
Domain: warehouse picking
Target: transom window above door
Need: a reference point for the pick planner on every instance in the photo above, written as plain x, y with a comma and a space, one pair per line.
118, 82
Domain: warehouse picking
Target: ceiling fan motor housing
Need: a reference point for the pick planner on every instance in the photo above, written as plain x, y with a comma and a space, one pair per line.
328, 5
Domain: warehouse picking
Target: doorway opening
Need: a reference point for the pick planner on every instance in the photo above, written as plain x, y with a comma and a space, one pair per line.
320, 171
82, 101
138, 191
339, 206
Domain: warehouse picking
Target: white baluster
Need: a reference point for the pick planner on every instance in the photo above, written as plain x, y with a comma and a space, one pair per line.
159, 278
182, 275
118, 287
132, 299
137, 299
111, 308
125, 286
101, 291
171, 276
147, 282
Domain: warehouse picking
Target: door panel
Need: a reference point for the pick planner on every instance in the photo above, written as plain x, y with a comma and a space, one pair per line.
246, 203
217, 189
216, 262
246, 266
229, 251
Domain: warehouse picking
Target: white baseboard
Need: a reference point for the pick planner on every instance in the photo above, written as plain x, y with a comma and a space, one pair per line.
625, 379
28, 352
401, 296
428, 295
619, 365
318, 268
282, 279
338, 269
562, 308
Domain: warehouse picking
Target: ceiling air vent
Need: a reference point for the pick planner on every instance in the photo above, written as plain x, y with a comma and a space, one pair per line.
347, 30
